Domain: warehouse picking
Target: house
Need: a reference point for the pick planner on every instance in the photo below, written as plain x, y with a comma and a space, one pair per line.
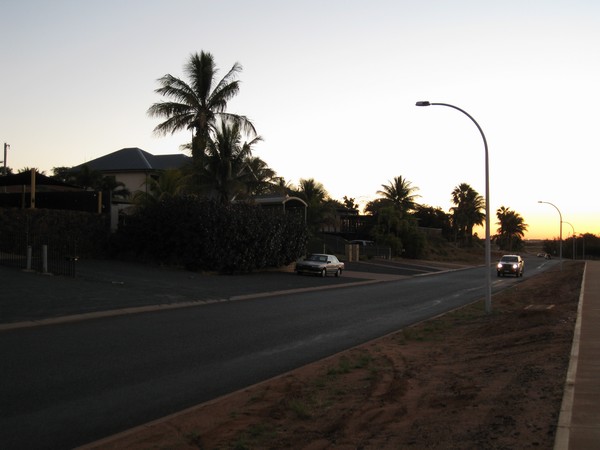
134, 166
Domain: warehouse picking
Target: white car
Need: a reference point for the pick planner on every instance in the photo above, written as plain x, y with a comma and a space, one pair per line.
320, 264
511, 264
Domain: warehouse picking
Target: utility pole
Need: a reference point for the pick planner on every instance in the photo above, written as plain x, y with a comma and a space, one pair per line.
6, 147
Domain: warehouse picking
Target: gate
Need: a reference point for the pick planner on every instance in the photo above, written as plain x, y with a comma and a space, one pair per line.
38, 253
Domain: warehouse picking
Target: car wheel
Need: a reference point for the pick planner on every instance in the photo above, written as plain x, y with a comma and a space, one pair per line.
338, 272
498, 273
324, 273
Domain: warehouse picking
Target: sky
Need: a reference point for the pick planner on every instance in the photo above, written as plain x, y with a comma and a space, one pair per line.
331, 87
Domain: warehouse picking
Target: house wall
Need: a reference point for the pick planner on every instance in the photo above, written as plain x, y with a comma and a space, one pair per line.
132, 181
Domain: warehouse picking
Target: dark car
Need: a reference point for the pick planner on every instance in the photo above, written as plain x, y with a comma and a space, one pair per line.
320, 264
511, 264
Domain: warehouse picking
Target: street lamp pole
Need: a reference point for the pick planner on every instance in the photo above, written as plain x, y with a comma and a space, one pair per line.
573, 237
488, 246
560, 236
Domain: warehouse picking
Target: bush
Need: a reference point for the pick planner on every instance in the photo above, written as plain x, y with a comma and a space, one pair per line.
204, 235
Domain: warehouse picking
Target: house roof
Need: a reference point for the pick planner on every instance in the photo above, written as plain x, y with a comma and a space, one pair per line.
135, 159
279, 200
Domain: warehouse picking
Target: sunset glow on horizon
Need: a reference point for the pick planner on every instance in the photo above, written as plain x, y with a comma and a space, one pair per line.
331, 87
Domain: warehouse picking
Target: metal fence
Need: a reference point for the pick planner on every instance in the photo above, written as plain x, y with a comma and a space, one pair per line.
329, 243
42, 254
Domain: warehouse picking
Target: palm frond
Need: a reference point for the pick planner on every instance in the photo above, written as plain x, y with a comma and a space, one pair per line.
201, 70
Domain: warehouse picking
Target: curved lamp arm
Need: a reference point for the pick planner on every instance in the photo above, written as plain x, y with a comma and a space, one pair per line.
488, 251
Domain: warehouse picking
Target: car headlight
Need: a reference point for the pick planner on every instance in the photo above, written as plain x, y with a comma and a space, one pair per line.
515, 266
499, 265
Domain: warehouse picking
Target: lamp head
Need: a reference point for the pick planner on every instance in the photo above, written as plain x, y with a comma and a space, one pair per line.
424, 103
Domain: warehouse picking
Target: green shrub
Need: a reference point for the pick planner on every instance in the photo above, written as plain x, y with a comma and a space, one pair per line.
205, 235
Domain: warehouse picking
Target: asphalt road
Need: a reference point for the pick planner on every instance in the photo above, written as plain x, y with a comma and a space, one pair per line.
69, 384
108, 285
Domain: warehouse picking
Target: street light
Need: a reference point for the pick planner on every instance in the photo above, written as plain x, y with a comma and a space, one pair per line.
488, 247
573, 237
560, 238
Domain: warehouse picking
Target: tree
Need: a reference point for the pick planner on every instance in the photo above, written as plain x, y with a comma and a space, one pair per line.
224, 171
168, 184
394, 224
196, 105
87, 178
260, 177
29, 169
430, 217
109, 183
511, 231
311, 191
91, 180
350, 203
468, 211
315, 196
400, 193
62, 173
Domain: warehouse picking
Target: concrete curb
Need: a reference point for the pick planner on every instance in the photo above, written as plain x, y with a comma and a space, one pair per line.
563, 429
372, 278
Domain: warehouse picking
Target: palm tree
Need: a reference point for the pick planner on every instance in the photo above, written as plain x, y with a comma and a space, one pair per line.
468, 210
168, 184
400, 193
430, 217
92, 180
196, 105
260, 177
29, 169
312, 191
116, 189
315, 196
512, 228
279, 186
223, 171
89, 179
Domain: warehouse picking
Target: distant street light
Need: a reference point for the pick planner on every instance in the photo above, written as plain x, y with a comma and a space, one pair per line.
573, 237
488, 246
560, 238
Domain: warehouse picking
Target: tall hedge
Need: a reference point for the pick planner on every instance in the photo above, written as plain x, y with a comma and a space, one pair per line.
204, 235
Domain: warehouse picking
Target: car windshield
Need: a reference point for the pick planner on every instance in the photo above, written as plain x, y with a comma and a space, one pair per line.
319, 258
510, 259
